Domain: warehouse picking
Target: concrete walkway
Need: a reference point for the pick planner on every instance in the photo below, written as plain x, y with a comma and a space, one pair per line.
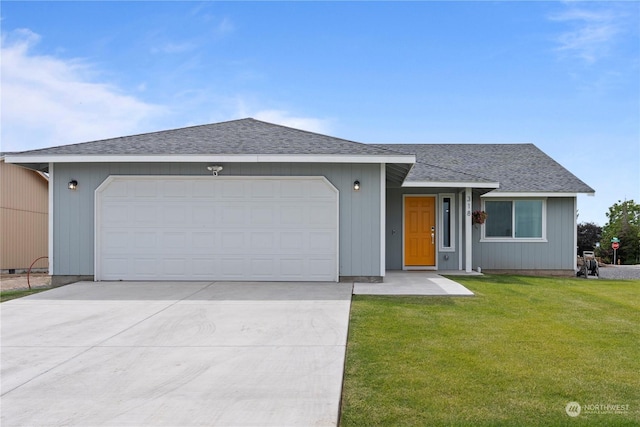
175, 354
414, 283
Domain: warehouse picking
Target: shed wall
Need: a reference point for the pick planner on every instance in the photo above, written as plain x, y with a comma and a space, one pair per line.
23, 217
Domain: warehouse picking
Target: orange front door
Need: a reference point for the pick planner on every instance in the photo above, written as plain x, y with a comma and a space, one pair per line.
420, 231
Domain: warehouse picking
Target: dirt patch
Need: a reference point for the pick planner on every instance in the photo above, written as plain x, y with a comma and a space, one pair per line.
19, 281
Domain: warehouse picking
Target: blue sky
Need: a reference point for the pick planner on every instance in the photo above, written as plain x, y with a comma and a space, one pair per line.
562, 75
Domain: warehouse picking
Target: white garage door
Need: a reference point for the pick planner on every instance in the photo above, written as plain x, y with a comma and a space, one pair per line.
216, 228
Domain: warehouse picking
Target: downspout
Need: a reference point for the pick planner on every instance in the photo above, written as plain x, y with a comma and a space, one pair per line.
383, 218
50, 218
460, 217
467, 230
575, 233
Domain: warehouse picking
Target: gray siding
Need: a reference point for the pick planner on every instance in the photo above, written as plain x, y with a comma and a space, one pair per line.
557, 253
73, 215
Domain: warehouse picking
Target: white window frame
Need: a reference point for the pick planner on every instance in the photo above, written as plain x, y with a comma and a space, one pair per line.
513, 239
452, 225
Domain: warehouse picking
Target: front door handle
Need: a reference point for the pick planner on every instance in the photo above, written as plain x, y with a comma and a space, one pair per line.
432, 238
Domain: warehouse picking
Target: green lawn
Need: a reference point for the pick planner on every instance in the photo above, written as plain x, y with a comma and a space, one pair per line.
19, 293
515, 355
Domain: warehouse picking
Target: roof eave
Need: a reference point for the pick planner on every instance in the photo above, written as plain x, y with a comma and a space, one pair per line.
196, 158
515, 194
451, 184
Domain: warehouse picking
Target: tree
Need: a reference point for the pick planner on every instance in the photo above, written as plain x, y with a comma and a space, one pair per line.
624, 223
588, 235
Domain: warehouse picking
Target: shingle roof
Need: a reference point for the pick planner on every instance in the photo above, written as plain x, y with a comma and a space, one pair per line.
244, 136
517, 167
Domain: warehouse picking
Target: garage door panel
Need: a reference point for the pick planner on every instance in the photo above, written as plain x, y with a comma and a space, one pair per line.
145, 188
144, 239
174, 266
175, 241
292, 215
115, 240
323, 242
203, 215
204, 240
292, 268
263, 215
263, 189
318, 266
291, 190
232, 215
292, 240
232, 189
320, 190
115, 213
263, 241
116, 190
173, 214
175, 189
322, 215
204, 228
116, 267
232, 241
203, 267
146, 266
263, 268
144, 214
233, 267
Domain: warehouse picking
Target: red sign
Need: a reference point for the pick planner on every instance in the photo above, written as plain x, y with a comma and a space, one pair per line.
615, 245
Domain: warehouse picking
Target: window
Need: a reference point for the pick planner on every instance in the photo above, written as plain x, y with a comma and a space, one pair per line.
515, 219
447, 222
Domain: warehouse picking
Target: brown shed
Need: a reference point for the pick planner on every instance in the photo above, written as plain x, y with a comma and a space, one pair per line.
24, 218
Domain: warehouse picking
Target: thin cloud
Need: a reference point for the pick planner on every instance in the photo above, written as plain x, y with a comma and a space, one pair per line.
590, 35
246, 107
287, 119
51, 101
174, 48
225, 26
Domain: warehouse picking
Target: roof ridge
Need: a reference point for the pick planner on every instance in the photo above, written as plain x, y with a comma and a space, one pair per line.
137, 134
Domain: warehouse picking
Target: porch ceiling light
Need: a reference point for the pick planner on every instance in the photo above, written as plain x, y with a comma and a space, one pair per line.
73, 184
356, 185
214, 169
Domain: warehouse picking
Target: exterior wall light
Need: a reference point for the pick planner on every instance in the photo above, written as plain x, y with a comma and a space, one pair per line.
356, 185
73, 184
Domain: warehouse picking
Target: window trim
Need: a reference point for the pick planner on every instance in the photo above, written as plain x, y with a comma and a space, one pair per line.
452, 222
513, 239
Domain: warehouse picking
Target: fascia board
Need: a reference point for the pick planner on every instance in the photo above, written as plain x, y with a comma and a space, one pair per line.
449, 184
335, 158
515, 194
235, 158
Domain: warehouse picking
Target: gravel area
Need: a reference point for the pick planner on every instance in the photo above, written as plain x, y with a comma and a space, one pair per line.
19, 281
620, 272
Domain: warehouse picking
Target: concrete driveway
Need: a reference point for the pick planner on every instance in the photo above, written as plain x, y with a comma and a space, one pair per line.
175, 354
